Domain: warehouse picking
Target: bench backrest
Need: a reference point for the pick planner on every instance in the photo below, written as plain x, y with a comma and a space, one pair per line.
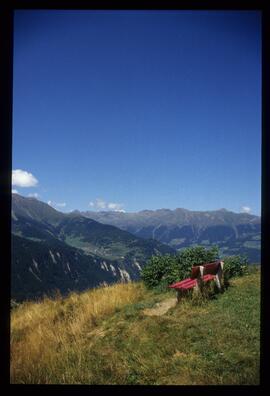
196, 272
205, 269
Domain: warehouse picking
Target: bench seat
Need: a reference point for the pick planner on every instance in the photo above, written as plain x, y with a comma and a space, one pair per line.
189, 283
184, 284
208, 277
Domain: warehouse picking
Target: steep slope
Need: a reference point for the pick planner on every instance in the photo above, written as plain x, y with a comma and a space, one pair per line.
234, 233
53, 250
106, 240
42, 267
36, 220
32, 208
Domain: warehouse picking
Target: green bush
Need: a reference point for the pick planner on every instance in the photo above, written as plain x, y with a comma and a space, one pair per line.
161, 271
235, 266
195, 256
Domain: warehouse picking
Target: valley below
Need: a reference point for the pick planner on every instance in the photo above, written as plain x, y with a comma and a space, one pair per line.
63, 252
80, 313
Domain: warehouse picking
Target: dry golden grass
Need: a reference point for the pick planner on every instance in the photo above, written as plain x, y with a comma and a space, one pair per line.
104, 337
44, 333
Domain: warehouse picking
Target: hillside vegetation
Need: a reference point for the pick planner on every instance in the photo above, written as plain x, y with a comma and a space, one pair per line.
116, 335
66, 251
233, 233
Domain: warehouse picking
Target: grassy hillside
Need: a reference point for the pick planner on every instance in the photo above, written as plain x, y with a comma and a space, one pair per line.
122, 334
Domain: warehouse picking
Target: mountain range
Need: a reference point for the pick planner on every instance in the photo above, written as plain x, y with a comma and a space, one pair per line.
52, 250
233, 233
74, 251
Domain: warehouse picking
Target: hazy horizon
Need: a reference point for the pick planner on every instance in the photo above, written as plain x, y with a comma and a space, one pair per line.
143, 210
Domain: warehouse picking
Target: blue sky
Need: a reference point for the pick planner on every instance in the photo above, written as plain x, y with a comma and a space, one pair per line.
133, 110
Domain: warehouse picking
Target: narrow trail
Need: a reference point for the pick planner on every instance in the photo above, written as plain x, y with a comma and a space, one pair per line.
161, 308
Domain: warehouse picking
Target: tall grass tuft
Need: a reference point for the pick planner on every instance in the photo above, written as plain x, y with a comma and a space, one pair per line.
106, 336
48, 335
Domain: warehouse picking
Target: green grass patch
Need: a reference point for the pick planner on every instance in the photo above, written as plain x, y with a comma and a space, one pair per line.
203, 342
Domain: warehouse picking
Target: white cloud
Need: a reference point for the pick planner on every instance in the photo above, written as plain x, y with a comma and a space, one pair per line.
14, 191
55, 204
100, 204
115, 206
245, 209
61, 204
21, 178
33, 195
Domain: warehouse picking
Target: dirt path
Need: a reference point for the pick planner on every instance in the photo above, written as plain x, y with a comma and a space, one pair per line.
161, 308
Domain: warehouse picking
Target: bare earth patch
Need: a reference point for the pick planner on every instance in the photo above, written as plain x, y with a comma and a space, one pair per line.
161, 308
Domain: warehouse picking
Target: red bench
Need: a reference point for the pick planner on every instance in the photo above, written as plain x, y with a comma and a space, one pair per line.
201, 274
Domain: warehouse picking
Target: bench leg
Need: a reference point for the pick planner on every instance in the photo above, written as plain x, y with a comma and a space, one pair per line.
218, 279
178, 295
198, 286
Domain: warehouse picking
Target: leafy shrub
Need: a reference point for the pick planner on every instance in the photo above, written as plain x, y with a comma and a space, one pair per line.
161, 271
235, 266
195, 256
